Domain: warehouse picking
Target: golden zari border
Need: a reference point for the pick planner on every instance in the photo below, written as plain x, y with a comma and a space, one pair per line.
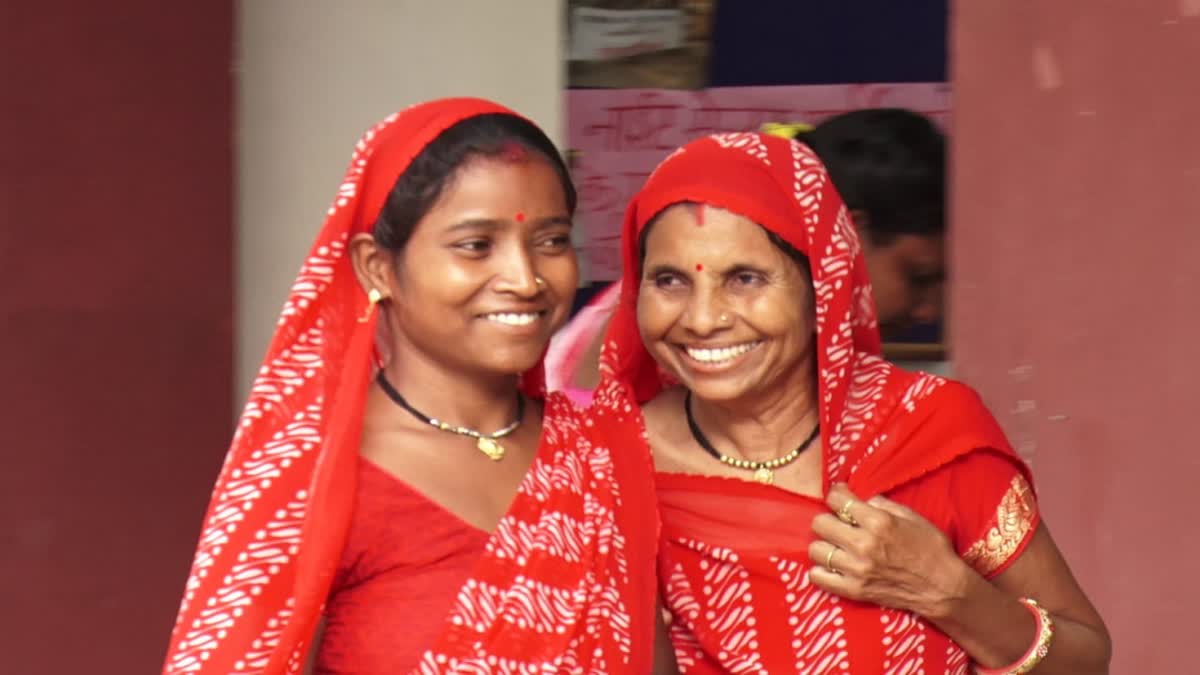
1015, 516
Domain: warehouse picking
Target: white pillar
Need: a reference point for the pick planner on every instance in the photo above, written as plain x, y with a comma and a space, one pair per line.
312, 76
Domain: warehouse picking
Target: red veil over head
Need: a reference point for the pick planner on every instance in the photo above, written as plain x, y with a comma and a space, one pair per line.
865, 402
782, 186
280, 511
734, 559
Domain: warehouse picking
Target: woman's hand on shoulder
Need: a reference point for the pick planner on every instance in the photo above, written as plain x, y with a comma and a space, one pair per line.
882, 552
886, 554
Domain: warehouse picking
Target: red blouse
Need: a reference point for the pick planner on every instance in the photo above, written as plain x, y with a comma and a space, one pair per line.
405, 559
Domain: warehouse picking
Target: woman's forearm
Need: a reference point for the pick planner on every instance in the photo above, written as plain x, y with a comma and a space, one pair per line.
997, 630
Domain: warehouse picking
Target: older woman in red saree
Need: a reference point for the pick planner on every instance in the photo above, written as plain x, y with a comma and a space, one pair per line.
394, 478
823, 511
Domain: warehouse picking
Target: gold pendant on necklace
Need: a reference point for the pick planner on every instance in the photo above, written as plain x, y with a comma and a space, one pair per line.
764, 475
491, 448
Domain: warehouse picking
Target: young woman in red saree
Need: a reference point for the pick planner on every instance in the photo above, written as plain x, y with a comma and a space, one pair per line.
508, 538
823, 511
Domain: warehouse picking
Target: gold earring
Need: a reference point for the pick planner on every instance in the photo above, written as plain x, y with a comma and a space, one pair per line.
373, 298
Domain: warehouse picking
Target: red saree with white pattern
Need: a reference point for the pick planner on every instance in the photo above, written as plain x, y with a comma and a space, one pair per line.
566, 582
734, 562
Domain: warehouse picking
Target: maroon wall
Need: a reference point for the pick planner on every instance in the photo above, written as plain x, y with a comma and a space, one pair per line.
115, 320
1076, 290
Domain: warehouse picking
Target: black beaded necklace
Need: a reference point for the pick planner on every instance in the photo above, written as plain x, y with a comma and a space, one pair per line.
764, 472
487, 443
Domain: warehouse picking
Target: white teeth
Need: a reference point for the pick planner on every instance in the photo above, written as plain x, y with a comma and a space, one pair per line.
510, 319
721, 354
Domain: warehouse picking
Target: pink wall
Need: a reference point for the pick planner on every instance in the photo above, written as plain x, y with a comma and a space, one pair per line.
115, 321
1076, 290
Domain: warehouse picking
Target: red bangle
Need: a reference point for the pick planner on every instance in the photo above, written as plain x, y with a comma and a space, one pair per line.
1043, 635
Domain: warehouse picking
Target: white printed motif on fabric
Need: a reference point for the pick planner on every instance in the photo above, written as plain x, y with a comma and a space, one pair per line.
747, 141
727, 606
551, 609
903, 642
818, 625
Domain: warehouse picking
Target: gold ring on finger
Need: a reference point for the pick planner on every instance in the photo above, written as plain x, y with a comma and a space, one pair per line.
845, 516
829, 561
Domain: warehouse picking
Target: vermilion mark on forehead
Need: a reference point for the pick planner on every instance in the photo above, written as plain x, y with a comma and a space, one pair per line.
699, 267
699, 215
513, 151
520, 217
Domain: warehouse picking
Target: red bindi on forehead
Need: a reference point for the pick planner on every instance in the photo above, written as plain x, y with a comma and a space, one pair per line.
699, 267
520, 217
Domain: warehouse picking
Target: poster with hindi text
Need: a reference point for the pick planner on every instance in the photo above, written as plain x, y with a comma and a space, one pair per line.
617, 137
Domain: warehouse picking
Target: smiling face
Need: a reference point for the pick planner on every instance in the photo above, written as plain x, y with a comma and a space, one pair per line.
723, 308
489, 272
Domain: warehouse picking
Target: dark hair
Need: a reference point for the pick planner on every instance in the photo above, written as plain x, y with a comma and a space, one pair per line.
418, 188
782, 244
889, 163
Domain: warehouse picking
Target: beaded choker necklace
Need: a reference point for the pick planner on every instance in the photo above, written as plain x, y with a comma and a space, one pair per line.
764, 472
487, 443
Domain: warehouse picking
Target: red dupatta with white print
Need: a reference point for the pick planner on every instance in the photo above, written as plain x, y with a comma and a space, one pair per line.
566, 583
734, 559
